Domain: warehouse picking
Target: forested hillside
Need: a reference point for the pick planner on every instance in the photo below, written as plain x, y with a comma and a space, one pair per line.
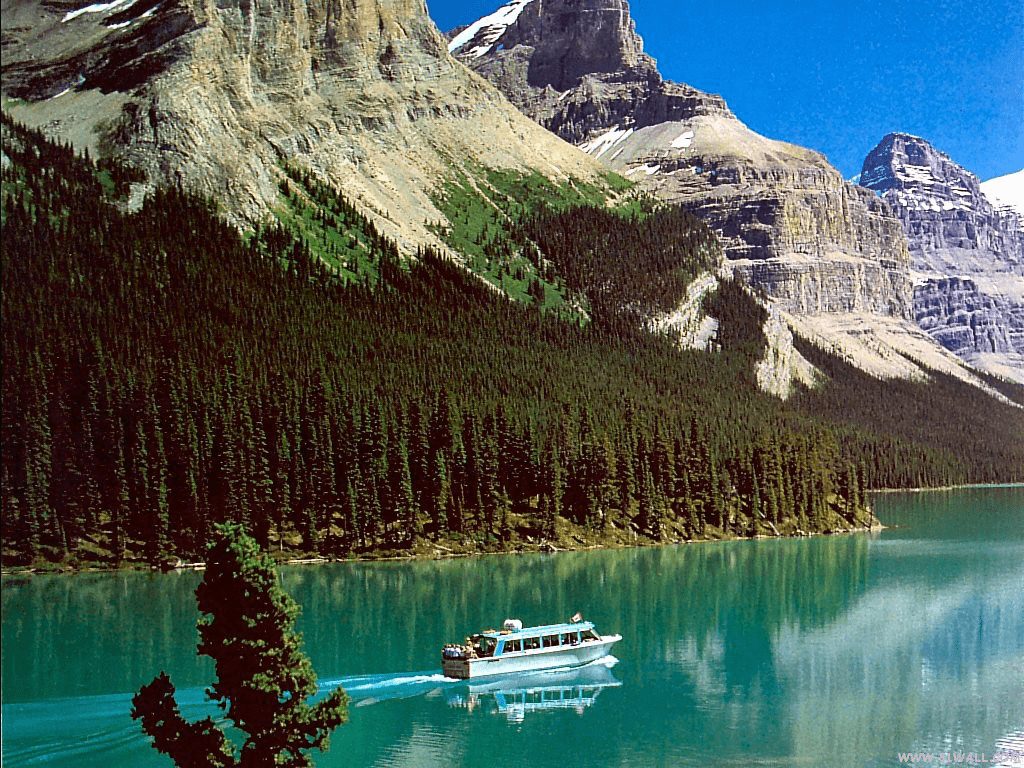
163, 373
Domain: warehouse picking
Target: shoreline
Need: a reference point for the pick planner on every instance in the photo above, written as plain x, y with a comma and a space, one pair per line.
436, 551
947, 488
439, 553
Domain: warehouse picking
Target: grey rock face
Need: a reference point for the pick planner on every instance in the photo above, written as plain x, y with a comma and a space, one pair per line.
574, 39
947, 218
577, 67
968, 255
967, 321
569, 39
786, 218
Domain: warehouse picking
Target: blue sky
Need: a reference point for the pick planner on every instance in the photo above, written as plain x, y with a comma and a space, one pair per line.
837, 77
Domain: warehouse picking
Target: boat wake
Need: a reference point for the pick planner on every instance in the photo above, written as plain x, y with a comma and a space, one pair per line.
91, 730
365, 690
370, 689
85, 730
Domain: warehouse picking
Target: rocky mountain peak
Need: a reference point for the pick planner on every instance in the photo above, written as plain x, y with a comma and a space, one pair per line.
967, 250
902, 163
950, 222
577, 67
570, 39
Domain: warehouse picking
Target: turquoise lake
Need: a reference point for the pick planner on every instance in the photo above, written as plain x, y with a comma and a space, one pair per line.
831, 651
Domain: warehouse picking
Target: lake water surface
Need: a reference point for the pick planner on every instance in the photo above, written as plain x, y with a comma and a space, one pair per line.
832, 651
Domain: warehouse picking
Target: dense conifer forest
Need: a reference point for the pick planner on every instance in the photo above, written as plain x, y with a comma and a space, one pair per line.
162, 373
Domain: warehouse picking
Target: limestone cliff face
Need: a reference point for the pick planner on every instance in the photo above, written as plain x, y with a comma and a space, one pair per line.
573, 39
967, 255
968, 321
217, 93
786, 218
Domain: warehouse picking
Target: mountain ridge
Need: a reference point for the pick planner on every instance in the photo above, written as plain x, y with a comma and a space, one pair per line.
216, 96
830, 255
787, 220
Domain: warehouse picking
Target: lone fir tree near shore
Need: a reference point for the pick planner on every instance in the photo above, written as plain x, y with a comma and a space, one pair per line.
263, 677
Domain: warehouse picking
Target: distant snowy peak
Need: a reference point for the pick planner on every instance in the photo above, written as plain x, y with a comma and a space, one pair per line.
883, 167
1006, 192
480, 37
908, 170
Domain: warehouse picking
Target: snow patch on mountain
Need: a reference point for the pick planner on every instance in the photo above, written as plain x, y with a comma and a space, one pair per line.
606, 141
146, 15
1006, 192
485, 32
648, 168
684, 141
916, 187
97, 8
917, 199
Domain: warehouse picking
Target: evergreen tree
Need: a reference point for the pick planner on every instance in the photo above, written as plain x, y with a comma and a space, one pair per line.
263, 677
440, 493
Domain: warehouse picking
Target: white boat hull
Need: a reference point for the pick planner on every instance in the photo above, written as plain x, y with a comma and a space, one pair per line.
528, 661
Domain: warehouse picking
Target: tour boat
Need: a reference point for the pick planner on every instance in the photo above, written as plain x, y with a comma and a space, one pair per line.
518, 649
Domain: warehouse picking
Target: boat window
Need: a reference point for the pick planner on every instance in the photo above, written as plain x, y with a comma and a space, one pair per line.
487, 646
550, 641
570, 638
511, 646
590, 635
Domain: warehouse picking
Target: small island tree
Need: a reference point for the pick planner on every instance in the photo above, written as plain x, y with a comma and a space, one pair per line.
263, 677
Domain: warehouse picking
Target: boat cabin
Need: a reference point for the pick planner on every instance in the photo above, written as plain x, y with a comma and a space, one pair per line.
515, 639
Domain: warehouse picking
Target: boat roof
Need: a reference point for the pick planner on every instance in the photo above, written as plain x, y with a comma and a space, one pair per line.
544, 629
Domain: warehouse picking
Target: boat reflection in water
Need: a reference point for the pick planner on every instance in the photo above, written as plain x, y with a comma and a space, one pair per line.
515, 696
